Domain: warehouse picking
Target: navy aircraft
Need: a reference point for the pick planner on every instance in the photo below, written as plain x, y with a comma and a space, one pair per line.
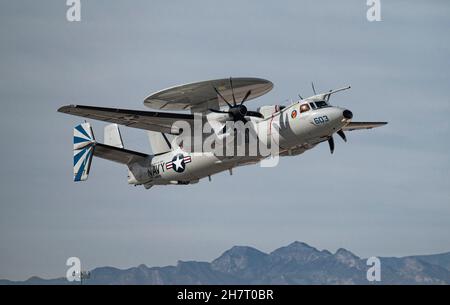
215, 118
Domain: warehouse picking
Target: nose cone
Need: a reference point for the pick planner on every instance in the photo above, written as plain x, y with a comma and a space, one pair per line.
347, 114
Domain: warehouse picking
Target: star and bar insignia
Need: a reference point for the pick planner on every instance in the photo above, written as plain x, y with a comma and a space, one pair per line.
178, 163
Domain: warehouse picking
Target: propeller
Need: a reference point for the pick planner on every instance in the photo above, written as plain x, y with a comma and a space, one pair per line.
237, 111
341, 133
331, 144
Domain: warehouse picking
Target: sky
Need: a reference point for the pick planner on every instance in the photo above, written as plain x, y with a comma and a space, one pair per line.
385, 192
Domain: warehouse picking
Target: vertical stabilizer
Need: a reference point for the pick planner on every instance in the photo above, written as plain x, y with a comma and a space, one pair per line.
160, 142
83, 150
112, 136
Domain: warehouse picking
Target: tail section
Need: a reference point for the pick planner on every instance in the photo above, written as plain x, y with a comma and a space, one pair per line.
160, 142
83, 151
112, 136
85, 147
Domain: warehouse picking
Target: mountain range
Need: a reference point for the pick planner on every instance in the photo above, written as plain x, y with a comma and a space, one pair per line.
297, 263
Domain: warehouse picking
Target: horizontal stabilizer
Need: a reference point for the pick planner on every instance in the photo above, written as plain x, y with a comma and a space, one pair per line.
119, 155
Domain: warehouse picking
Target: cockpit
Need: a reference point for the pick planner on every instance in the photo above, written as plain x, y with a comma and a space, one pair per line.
313, 105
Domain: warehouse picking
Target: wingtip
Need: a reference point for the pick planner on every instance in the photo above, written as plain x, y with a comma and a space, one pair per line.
65, 109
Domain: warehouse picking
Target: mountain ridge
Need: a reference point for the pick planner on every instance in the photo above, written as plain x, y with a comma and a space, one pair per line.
296, 263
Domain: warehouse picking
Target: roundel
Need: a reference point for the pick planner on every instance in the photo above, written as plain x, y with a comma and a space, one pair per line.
178, 163
294, 114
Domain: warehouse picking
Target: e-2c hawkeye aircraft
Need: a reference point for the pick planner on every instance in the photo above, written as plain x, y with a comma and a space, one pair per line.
299, 127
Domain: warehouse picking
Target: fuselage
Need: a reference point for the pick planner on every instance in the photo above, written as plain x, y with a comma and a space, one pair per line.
293, 129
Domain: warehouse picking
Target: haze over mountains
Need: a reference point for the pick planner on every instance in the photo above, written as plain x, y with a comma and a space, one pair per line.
297, 263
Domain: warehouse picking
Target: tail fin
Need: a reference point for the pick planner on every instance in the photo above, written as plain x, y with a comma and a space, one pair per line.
160, 142
112, 136
83, 151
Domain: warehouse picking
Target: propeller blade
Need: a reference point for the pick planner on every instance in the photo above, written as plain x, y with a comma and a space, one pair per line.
331, 144
217, 111
218, 93
314, 89
232, 91
255, 114
341, 133
246, 96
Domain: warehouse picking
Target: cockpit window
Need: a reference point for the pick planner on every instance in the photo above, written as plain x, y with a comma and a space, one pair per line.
322, 104
304, 108
313, 106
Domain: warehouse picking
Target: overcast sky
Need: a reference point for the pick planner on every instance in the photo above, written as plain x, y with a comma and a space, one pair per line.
386, 192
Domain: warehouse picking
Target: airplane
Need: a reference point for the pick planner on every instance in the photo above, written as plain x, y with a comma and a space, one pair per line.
292, 129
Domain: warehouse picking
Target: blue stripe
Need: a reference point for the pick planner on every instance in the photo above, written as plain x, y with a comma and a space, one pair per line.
88, 158
83, 165
80, 129
79, 140
80, 171
77, 157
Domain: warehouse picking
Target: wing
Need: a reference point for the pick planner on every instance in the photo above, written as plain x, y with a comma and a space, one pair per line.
148, 120
116, 154
201, 96
362, 125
